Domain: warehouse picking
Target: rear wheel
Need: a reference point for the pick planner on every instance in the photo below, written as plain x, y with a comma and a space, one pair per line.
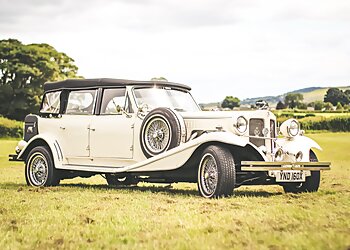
311, 183
40, 169
216, 172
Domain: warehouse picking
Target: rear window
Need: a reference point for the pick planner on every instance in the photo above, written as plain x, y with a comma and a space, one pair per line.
51, 103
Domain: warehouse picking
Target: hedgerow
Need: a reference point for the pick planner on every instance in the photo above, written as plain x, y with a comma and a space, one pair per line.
10, 128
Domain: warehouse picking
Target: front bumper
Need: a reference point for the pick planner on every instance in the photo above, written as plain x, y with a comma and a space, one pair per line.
267, 166
14, 157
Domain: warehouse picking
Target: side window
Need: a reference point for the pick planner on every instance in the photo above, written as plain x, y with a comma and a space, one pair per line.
51, 103
81, 102
112, 98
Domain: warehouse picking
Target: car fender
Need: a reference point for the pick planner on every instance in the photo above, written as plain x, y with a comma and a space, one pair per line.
50, 141
298, 143
177, 157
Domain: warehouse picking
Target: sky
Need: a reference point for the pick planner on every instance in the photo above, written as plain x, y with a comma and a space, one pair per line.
243, 48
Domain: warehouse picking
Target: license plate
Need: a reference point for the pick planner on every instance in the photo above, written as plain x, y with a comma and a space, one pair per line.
290, 176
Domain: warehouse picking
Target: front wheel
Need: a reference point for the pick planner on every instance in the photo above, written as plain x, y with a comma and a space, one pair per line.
311, 183
216, 172
40, 169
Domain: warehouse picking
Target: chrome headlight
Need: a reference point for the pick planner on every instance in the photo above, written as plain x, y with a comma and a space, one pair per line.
279, 155
241, 124
299, 156
290, 128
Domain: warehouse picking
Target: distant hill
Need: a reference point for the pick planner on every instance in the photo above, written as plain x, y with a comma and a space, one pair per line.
210, 106
310, 94
306, 90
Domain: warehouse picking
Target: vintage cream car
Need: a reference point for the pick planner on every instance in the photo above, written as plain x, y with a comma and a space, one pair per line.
152, 131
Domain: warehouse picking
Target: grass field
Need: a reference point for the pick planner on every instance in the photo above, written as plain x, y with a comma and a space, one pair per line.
85, 213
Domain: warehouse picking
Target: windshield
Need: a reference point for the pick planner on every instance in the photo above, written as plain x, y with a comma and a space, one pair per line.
51, 103
165, 97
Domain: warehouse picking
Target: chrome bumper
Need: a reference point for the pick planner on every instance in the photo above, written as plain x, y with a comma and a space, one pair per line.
14, 157
267, 166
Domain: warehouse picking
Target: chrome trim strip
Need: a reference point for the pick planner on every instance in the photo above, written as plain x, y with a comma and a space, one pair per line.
96, 169
58, 155
59, 148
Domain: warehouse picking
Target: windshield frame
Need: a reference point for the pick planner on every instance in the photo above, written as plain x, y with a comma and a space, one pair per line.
43, 100
166, 88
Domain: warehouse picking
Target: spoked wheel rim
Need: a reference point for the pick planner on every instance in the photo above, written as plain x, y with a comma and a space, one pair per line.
209, 174
38, 169
157, 135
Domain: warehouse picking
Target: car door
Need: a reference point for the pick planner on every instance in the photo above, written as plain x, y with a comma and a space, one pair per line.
74, 126
112, 131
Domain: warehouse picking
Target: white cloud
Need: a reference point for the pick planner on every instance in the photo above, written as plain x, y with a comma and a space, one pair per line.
242, 48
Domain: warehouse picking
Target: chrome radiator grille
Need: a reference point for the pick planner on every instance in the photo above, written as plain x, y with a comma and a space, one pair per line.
272, 129
256, 127
272, 133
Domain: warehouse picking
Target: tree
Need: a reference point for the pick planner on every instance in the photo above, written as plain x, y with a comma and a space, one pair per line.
302, 105
347, 92
230, 102
293, 99
280, 105
339, 106
161, 78
346, 107
311, 104
23, 71
319, 105
335, 95
328, 106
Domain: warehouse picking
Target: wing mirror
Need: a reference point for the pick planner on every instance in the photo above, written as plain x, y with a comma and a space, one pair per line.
142, 110
121, 111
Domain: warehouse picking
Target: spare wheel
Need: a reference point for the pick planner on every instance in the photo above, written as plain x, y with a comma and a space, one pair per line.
160, 131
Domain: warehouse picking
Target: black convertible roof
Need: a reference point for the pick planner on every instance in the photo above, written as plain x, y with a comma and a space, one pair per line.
106, 82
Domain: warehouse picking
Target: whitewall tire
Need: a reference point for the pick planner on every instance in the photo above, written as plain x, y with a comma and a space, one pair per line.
39, 168
160, 131
216, 172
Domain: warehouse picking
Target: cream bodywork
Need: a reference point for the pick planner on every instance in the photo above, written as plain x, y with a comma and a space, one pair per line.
111, 143
291, 146
169, 160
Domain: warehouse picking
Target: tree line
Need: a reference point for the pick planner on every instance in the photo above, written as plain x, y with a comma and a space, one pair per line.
23, 71
334, 98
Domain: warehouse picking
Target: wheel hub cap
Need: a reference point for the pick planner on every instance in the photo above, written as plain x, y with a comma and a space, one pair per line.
209, 174
157, 135
38, 169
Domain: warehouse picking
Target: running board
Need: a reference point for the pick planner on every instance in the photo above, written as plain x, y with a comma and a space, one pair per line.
96, 169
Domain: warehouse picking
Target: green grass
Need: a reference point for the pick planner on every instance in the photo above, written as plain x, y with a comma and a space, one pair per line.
328, 115
85, 213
